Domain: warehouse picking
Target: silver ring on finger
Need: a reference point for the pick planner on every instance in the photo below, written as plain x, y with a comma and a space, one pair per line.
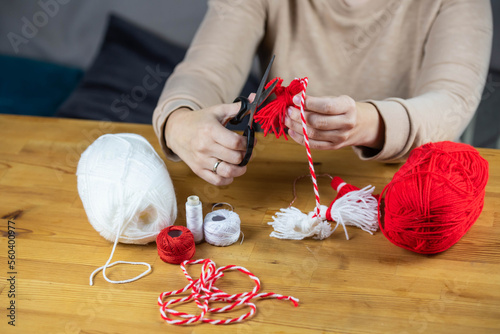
214, 169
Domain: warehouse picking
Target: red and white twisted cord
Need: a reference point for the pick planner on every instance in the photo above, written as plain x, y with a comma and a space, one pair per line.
204, 291
304, 82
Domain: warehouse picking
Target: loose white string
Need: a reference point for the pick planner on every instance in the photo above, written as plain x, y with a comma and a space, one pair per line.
120, 229
222, 203
107, 265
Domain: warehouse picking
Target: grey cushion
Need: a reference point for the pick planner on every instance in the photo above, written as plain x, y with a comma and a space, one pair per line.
126, 78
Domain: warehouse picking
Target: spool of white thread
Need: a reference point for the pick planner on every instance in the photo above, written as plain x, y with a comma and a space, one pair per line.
222, 227
126, 191
194, 217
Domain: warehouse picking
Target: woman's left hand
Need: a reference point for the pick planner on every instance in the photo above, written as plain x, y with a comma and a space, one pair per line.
336, 122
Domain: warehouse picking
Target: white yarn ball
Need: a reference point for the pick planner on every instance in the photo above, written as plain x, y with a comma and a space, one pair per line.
222, 227
124, 185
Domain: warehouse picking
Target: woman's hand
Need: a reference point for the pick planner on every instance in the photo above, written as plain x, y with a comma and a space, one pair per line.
200, 140
336, 122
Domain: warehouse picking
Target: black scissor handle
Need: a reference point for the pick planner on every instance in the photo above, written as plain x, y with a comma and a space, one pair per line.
245, 105
250, 134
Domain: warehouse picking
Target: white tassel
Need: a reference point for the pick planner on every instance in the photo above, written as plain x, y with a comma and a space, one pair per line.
291, 223
356, 208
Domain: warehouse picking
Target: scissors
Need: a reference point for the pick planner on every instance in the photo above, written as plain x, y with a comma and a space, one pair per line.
250, 108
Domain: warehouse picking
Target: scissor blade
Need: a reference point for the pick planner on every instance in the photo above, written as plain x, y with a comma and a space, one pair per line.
267, 92
263, 81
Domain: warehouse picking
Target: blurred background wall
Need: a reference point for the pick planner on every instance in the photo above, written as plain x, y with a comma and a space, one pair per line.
74, 31
69, 33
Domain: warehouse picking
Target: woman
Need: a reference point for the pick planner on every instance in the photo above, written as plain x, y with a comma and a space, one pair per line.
384, 76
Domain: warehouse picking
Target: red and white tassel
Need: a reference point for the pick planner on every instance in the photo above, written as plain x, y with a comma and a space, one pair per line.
352, 206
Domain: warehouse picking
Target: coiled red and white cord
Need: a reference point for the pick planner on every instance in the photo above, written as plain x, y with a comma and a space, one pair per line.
204, 291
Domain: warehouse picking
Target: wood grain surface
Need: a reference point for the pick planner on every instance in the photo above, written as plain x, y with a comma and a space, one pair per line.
361, 285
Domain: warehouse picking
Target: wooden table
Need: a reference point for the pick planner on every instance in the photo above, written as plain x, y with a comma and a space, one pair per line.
361, 285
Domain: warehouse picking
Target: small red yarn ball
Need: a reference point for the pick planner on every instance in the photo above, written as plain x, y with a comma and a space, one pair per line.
435, 197
175, 244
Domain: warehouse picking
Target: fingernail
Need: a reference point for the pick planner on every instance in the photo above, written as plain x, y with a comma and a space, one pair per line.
289, 111
296, 100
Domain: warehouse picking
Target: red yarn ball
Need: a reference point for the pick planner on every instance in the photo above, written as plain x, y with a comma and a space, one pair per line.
175, 244
435, 197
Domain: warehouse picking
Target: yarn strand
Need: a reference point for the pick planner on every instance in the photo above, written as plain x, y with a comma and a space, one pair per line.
204, 291
308, 149
108, 265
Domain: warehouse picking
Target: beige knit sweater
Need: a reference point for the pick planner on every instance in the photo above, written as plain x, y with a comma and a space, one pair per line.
422, 63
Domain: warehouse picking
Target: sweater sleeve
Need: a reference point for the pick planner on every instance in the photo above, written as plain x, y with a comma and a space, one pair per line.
217, 62
449, 84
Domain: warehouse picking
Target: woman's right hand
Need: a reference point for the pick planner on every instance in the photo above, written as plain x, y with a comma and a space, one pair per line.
200, 140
